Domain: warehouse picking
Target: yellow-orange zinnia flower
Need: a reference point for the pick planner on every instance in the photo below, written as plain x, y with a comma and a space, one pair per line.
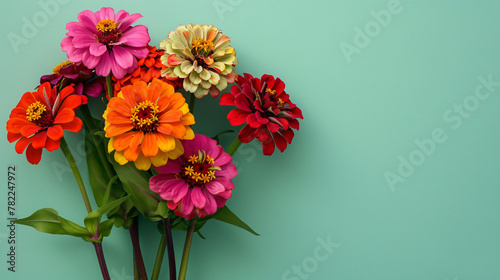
145, 123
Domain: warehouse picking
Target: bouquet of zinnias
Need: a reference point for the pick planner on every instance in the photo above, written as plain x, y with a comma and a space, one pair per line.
143, 158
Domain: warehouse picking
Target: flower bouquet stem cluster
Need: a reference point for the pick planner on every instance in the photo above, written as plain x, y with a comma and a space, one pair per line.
143, 157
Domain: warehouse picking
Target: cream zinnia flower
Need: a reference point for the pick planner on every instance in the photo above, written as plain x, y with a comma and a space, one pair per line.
201, 56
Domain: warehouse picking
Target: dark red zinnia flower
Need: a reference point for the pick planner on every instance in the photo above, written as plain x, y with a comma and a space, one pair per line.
85, 80
266, 109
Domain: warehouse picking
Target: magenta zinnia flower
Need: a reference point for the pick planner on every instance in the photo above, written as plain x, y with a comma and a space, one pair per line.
198, 182
266, 109
106, 42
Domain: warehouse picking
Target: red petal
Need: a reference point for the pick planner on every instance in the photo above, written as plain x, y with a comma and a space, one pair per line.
22, 144
294, 124
66, 115
279, 86
268, 147
33, 155
237, 117
38, 140
263, 134
52, 145
268, 79
280, 141
73, 126
288, 135
246, 134
242, 102
29, 130
55, 132
227, 99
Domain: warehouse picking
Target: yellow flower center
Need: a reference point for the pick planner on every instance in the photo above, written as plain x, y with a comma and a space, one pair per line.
106, 25
202, 47
58, 67
107, 32
199, 169
145, 116
271, 91
35, 111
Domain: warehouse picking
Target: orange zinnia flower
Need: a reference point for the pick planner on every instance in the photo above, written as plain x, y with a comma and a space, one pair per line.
145, 124
149, 68
40, 117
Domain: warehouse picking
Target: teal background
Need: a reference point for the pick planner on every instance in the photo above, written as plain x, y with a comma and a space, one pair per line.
362, 112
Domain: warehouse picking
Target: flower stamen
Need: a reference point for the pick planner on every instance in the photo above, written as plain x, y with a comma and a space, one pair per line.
198, 170
145, 116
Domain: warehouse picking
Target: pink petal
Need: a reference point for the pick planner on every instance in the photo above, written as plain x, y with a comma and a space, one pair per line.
123, 57
117, 71
89, 60
104, 67
187, 204
88, 19
172, 167
198, 197
228, 171
105, 13
137, 36
127, 21
97, 49
78, 29
156, 181
215, 187
121, 15
210, 204
84, 41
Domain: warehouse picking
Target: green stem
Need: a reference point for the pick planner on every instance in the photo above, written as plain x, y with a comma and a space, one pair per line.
71, 161
192, 101
234, 146
89, 120
159, 258
185, 253
109, 84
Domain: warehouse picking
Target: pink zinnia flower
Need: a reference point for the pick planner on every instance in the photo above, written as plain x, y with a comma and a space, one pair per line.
106, 42
198, 182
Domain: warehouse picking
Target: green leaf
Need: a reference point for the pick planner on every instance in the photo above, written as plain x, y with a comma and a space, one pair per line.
47, 220
94, 217
98, 178
227, 216
136, 183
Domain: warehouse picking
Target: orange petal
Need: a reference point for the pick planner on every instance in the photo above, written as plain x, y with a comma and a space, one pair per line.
73, 126
29, 130
170, 116
55, 132
165, 128
22, 144
149, 145
166, 143
137, 140
122, 141
65, 115
121, 106
131, 154
38, 140
115, 129
115, 117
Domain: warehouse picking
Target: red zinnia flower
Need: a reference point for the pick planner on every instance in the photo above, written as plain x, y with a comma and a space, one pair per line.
265, 107
39, 119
